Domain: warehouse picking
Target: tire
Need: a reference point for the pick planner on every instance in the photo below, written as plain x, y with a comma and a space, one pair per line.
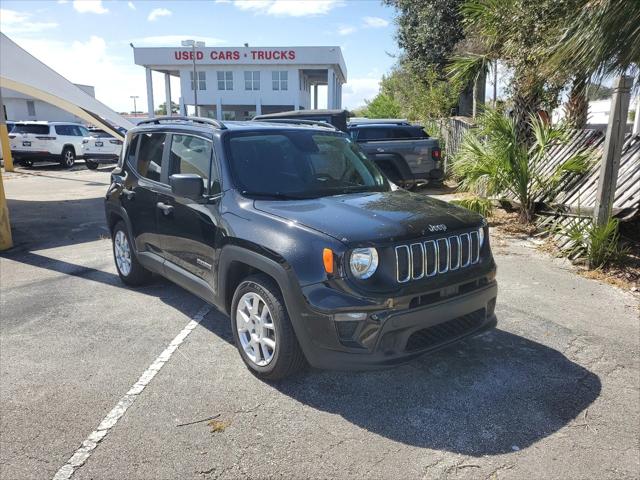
135, 274
286, 356
91, 165
68, 157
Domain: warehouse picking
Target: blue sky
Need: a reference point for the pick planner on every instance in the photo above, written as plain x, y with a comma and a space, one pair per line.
88, 41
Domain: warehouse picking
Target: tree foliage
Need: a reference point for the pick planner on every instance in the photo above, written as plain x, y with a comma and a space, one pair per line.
162, 108
428, 31
382, 106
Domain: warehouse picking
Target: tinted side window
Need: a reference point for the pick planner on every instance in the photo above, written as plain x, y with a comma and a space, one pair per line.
150, 155
368, 134
191, 154
131, 149
63, 130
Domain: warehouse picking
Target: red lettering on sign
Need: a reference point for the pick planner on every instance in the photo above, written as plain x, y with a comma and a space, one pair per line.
292, 54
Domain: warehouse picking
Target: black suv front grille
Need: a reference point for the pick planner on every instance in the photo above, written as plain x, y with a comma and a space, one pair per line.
444, 332
433, 257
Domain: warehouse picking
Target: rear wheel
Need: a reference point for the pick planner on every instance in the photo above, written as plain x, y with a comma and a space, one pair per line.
91, 165
262, 330
129, 269
68, 157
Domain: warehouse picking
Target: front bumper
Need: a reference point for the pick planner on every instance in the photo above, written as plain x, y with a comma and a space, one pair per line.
392, 336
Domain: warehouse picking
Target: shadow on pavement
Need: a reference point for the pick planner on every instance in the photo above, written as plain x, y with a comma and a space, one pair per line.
487, 395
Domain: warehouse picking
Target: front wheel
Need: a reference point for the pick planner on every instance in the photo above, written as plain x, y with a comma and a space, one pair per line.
129, 269
262, 330
68, 157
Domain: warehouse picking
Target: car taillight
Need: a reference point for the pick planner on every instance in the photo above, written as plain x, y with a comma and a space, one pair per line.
115, 142
435, 154
46, 138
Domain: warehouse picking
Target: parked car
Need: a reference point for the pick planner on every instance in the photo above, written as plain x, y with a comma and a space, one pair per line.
404, 152
47, 141
295, 234
100, 147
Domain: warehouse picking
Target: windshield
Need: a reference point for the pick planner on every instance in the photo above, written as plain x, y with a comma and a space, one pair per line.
300, 164
35, 128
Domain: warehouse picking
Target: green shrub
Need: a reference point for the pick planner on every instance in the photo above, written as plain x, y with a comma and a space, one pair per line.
598, 246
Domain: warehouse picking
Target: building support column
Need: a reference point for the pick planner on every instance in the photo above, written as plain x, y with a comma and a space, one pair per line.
315, 96
296, 89
259, 106
331, 89
219, 108
149, 93
167, 93
339, 95
183, 107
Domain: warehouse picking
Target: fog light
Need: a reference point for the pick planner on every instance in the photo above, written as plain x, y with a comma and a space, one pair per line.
349, 317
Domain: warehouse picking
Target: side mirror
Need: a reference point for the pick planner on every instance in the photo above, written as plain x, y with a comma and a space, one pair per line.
187, 185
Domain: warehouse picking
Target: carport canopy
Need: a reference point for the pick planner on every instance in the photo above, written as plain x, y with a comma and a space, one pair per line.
22, 72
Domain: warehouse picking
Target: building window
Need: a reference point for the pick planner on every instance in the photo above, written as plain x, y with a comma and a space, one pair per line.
225, 80
202, 80
280, 80
252, 80
31, 108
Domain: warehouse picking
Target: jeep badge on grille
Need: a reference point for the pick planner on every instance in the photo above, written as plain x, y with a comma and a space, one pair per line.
437, 228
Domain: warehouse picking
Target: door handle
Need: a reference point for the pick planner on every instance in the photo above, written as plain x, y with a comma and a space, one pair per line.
166, 209
380, 150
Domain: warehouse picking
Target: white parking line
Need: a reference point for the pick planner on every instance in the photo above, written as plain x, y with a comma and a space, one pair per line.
91, 442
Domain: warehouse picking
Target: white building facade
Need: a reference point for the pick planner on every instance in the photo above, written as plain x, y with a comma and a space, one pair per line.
238, 83
19, 107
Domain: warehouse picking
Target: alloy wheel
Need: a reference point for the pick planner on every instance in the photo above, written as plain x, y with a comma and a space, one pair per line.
256, 330
122, 253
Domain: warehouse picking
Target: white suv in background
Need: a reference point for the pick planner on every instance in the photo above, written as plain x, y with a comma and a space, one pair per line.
100, 147
47, 141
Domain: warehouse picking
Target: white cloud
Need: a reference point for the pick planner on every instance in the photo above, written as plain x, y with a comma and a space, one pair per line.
222, 1
357, 90
131, 5
13, 22
159, 12
62, 2
288, 8
346, 30
375, 22
89, 6
174, 40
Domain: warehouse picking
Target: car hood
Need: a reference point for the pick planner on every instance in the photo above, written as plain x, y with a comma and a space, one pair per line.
373, 217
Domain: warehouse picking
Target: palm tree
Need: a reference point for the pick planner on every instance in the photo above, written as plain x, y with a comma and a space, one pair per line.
493, 162
603, 38
471, 68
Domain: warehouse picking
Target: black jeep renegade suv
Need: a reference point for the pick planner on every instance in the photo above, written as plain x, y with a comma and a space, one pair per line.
291, 231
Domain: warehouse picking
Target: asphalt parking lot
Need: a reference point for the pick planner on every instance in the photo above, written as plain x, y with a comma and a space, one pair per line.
553, 392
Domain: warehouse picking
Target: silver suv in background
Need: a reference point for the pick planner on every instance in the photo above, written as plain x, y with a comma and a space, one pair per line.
47, 141
100, 147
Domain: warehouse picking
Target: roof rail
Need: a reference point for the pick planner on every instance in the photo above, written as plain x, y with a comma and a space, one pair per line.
166, 118
378, 121
295, 121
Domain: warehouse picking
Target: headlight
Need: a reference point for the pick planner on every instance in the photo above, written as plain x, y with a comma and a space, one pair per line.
481, 236
363, 262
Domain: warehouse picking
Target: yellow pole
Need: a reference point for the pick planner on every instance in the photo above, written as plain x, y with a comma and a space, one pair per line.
4, 139
6, 241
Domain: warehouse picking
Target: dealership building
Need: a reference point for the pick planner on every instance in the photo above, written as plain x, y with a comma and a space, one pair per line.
238, 83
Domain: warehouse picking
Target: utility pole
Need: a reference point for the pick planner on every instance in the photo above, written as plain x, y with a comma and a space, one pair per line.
612, 149
135, 109
193, 44
495, 83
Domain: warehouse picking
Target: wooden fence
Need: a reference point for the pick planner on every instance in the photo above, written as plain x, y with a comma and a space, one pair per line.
576, 194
